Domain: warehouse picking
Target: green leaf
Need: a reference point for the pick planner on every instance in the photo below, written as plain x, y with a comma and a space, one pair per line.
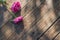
2, 1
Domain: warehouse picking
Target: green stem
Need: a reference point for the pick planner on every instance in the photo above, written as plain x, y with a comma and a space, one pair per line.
10, 12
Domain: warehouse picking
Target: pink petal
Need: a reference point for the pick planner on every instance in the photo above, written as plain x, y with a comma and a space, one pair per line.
18, 19
16, 6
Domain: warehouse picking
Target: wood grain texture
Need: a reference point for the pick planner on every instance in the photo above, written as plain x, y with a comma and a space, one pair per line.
58, 37
38, 22
52, 32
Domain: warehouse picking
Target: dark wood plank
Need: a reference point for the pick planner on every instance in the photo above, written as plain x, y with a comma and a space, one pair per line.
43, 24
38, 15
35, 14
52, 32
9, 32
27, 8
58, 37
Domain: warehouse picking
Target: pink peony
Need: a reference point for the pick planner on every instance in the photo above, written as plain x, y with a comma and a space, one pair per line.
16, 6
18, 19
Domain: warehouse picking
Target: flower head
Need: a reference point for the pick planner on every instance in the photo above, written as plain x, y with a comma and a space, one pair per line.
18, 19
16, 6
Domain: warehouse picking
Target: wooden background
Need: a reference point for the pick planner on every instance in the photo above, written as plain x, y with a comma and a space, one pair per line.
41, 21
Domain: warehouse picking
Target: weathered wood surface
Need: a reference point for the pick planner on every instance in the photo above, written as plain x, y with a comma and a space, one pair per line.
52, 32
41, 21
58, 37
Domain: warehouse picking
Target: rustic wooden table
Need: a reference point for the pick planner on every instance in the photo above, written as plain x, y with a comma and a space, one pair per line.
41, 21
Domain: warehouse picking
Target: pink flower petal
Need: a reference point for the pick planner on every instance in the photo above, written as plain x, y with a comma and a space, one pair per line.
16, 6
18, 19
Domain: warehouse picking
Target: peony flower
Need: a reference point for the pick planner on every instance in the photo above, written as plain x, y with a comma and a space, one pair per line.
18, 19
16, 6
